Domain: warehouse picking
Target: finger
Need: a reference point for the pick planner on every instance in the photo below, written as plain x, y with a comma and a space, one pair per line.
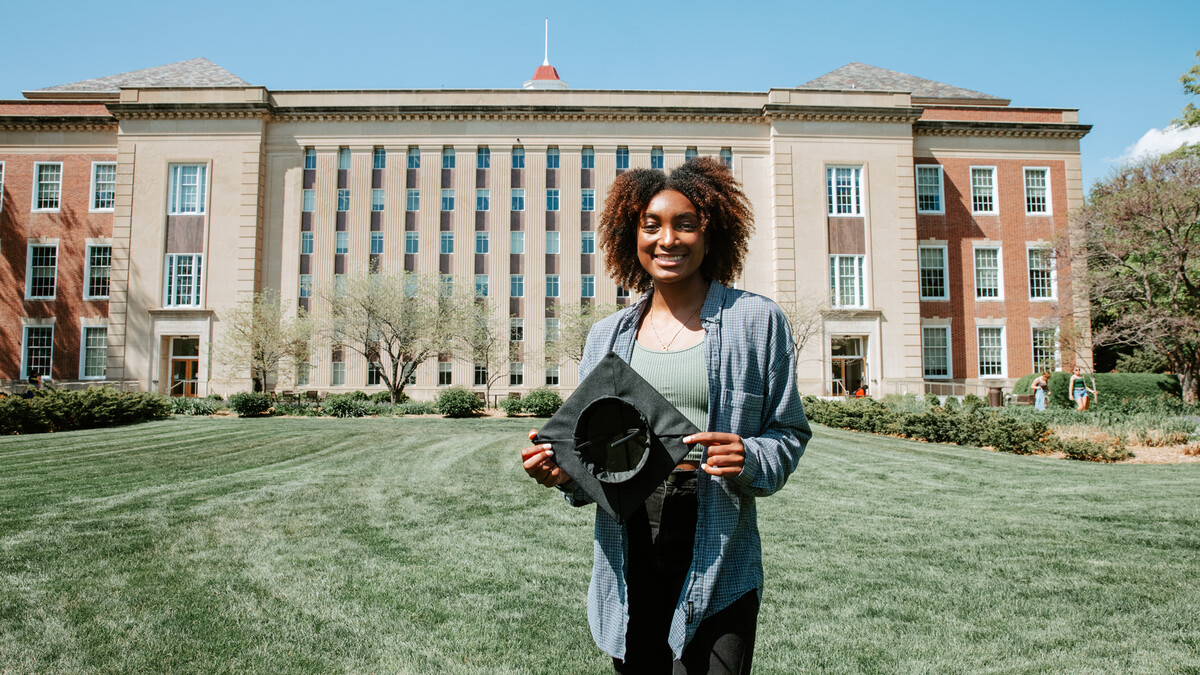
721, 471
709, 438
532, 434
540, 458
726, 449
726, 460
544, 447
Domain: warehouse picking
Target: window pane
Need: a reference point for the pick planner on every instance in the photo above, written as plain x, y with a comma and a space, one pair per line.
481, 285
587, 242
39, 350
447, 158
516, 242
552, 240
987, 273
991, 351
1035, 191
343, 200
104, 186
308, 201
483, 158
448, 200
412, 200
933, 272
1041, 273
516, 329
518, 199
310, 159
95, 351
588, 199
410, 243
376, 243
518, 157
516, 286
552, 200
929, 189
447, 243
43, 267
483, 199
379, 159
342, 242
656, 158
982, 190
622, 158
414, 158
482, 243
49, 185
376, 199
935, 351
99, 270
552, 158
1045, 350
343, 159
588, 158
588, 286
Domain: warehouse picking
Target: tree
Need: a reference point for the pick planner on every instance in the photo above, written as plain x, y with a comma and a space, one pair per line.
397, 321
574, 324
1142, 242
1191, 86
483, 339
260, 338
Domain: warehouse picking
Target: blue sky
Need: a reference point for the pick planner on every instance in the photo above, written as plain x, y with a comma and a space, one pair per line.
1118, 62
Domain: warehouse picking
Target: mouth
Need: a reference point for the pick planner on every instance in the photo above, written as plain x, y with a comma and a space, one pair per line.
669, 259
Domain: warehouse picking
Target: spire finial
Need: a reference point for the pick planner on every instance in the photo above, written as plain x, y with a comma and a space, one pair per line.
546, 62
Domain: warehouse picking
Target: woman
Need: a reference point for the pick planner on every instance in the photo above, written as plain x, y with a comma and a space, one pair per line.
1041, 385
1079, 390
724, 358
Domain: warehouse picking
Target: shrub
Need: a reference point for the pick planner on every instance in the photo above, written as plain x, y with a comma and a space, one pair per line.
416, 408
194, 406
1008, 435
542, 402
951, 404
932, 399
1024, 386
512, 406
458, 402
972, 401
385, 396
293, 409
63, 410
348, 405
1107, 449
215, 397
250, 404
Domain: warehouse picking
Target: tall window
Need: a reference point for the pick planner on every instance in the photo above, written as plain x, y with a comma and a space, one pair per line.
447, 243
516, 242
551, 285
343, 159
587, 286
929, 189
376, 243
38, 351
446, 285
656, 158
187, 186
376, 199
518, 199
47, 187
587, 199
987, 273
448, 199
447, 157
481, 285
1041, 274
552, 375
483, 199
1037, 195
310, 159
552, 199
182, 287
516, 374
690, 153
379, 159
98, 272
343, 200
587, 242
104, 186
414, 157
552, 329
341, 242
983, 189
374, 373
482, 242
411, 242
483, 157
412, 199
43, 272
552, 157
552, 242
1045, 350
727, 158
846, 281
935, 351
516, 329
481, 376
518, 157
308, 200
933, 272
516, 286
588, 158
94, 353
337, 370
306, 243
843, 190
306, 285
339, 285
991, 351
622, 292
622, 158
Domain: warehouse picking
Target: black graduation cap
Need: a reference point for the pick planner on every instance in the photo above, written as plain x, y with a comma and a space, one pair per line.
617, 437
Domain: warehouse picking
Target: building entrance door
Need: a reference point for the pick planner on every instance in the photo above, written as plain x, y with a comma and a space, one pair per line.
185, 366
849, 365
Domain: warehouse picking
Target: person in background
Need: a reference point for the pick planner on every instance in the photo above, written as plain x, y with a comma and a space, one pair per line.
1041, 389
34, 383
1080, 390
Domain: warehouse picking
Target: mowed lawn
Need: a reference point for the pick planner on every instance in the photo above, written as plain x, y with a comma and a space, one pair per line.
419, 546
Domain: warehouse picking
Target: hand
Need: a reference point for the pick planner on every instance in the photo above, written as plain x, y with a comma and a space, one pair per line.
726, 454
540, 465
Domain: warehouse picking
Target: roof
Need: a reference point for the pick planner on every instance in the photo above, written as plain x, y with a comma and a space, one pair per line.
192, 73
545, 72
863, 76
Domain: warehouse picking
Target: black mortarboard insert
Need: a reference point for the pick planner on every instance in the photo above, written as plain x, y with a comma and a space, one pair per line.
617, 437
613, 440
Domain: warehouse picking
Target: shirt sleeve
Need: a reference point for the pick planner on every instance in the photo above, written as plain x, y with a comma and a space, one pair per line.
772, 455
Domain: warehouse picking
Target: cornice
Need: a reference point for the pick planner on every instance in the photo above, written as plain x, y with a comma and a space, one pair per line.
181, 111
1001, 129
514, 114
57, 123
815, 113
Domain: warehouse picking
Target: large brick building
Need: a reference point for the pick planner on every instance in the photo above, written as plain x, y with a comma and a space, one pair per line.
139, 208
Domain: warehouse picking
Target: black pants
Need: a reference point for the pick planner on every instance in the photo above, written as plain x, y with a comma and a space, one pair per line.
661, 538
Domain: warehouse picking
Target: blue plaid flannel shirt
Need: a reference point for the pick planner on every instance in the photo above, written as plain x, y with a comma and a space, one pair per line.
751, 392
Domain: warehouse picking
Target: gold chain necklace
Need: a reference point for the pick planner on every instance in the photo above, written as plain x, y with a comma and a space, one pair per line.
667, 345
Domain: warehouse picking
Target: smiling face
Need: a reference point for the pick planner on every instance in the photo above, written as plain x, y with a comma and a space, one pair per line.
671, 241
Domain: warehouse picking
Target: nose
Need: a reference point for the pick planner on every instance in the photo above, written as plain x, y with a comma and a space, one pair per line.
667, 236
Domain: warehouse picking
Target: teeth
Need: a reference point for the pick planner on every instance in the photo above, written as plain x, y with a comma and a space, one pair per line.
671, 258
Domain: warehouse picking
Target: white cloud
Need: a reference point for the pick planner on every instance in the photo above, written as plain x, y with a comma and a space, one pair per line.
1158, 141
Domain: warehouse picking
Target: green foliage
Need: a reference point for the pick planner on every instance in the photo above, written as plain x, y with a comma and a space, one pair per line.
294, 409
1024, 386
181, 405
1108, 450
543, 402
1142, 360
512, 406
386, 397
458, 402
1128, 386
932, 399
67, 410
416, 408
353, 404
250, 404
971, 401
355, 395
952, 404
215, 397
1191, 86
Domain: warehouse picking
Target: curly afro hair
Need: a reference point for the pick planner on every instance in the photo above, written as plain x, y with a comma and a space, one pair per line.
724, 212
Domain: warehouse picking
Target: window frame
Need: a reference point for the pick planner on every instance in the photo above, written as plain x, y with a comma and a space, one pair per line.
979, 352
414, 238
657, 158
517, 199
835, 280
483, 242
1049, 210
1033, 348
377, 200
378, 158
481, 286
308, 200
622, 157
447, 202
552, 372
310, 153
553, 199
447, 157
25, 355
88, 267
446, 242
518, 157
343, 200
307, 242
92, 194
587, 285
412, 200
995, 191
945, 269
945, 328
170, 280
412, 159
999, 297
587, 199
941, 189
516, 374
553, 157
29, 268
83, 351
304, 286
483, 199
553, 242
858, 191
1030, 247
587, 157
341, 242
376, 238
587, 242
516, 285
344, 159
516, 329
37, 182
483, 157
553, 283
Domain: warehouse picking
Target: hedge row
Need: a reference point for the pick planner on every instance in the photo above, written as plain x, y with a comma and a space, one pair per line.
67, 410
1112, 387
973, 425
